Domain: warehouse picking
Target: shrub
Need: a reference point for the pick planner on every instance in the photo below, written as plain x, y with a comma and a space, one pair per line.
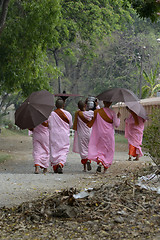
151, 141
9, 124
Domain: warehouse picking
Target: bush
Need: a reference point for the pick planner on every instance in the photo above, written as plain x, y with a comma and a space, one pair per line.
9, 124
152, 137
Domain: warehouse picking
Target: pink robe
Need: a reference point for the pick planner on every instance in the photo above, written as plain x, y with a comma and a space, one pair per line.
41, 146
59, 132
102, 143
134, 133
82, 135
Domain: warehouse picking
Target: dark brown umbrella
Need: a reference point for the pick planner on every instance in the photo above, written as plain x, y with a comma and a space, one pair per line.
34, 110
64, 96
137, 108
117, 95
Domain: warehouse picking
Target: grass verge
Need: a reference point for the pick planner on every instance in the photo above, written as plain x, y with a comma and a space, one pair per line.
119, 138
4, 157
7, 132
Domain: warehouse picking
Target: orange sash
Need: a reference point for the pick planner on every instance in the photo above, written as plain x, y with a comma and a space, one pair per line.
61, 115
80, 114
75, 121
103, 115
45, 124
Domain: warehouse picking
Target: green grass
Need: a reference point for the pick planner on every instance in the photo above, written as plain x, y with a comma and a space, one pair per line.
4, 157
119, 138
7, 132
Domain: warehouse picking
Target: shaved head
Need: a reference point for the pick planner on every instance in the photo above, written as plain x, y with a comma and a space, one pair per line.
59, 103
81, 105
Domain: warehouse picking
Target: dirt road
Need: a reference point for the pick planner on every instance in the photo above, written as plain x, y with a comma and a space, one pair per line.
19, 183
117, 209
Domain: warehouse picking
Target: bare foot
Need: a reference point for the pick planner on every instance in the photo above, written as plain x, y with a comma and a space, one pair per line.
36, 170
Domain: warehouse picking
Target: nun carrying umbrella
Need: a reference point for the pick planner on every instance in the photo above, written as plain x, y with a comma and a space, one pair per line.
33, 114
134, 124
134, 127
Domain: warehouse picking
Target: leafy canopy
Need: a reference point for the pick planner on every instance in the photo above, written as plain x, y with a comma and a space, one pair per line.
30, 28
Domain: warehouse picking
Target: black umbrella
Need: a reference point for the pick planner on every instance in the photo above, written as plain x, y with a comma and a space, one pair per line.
137, 108
117, 95
34, 110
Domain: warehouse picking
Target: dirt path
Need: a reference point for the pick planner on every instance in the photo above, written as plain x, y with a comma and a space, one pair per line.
19, 184
116, 208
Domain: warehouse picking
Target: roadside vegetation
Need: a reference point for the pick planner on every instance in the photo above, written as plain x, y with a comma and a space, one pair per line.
5, 132
152, 138
4, 157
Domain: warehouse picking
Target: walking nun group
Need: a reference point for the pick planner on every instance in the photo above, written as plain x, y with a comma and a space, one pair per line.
93, 139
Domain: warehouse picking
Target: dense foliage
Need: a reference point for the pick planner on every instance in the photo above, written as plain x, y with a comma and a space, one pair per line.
147, 8
152, 83
152, 137
30, 28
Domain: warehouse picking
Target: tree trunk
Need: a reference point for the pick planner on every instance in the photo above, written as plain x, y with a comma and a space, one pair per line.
4, 10
57, 65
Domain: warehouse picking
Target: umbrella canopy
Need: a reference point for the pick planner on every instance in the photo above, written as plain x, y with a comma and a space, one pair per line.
64, 96
137, 108
34, 110
117, 95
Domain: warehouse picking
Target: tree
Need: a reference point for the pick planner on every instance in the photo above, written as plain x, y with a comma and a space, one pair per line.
147, 8
116, 61
34, 26
89, 66
153, 84
82, 25
30, 28
3, 13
